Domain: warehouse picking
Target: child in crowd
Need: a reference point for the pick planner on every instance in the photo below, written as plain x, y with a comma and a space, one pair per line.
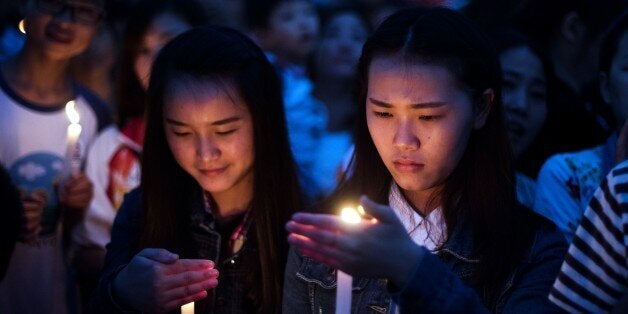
567, 181
433, 168
332, 69
113, 159
218, 183
288, 31
35, 86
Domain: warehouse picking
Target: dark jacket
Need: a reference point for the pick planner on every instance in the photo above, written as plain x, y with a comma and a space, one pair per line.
233, 293
441, 282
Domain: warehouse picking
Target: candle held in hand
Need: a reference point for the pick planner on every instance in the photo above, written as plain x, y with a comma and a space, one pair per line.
345, 281
73, 156
187, 308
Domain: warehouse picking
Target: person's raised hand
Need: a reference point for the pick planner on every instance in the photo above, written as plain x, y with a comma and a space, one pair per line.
77, 192
33, 205
157, 281
378, 247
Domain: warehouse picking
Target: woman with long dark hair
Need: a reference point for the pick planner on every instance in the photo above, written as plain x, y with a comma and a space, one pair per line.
218, 183
433, 168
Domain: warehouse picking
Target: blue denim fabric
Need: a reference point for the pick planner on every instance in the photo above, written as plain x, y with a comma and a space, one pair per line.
232, 293
439, 283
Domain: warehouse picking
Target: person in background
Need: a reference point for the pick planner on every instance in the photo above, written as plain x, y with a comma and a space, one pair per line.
332, 69
113, 160
288, 30
570, 32
567, 181
593, 277
35, 86
433, 167
525, 99
218, 183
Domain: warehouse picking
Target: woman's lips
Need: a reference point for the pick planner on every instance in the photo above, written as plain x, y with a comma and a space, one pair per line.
213, 171
408, 166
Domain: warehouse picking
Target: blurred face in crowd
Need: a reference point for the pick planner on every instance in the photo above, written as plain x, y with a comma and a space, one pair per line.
292, 30
614, 84
210, 132
164, 28
420, 119
524, 96
62, 29
340, 46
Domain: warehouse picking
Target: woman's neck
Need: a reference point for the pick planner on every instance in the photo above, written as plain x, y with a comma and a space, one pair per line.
39, 79
232, 202
424, 202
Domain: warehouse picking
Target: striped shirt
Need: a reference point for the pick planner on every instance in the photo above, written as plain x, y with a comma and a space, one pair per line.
594, 275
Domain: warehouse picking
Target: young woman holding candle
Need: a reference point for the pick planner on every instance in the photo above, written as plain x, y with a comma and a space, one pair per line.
433, 166
218, 184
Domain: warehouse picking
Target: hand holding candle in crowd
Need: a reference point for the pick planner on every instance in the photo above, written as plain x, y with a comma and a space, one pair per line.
33, 205
377, 247
157, 280
76, 190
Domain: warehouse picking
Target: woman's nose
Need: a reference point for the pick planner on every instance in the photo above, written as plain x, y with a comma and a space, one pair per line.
405, 138
206, 149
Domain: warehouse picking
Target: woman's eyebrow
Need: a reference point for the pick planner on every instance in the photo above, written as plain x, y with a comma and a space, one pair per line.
430, 104
219, 122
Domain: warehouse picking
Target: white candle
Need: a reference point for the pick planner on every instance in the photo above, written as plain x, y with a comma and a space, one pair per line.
187, 308
345, 281
73, 153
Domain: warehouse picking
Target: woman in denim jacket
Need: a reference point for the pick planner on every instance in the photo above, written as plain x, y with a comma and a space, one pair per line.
218, 184
442, 231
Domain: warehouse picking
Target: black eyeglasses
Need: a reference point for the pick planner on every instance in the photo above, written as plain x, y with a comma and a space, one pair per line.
79, 12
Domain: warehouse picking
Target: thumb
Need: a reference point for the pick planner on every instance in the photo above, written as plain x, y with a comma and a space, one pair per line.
380, 212
159, 255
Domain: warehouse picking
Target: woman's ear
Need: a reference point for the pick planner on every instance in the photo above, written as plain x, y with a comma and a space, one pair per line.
483, 108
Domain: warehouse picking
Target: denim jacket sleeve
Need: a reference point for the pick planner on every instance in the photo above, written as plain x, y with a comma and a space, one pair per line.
119, 252
434, 287
536, 275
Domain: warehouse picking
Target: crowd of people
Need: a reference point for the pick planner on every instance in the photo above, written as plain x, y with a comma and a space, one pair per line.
155, 153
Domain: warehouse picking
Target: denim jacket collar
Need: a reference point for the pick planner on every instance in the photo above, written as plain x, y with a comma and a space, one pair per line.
460, 242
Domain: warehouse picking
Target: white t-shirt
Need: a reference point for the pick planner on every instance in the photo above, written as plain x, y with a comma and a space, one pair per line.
95, 229
33, 143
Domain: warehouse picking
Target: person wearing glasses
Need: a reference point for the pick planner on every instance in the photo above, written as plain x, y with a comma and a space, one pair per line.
35, 86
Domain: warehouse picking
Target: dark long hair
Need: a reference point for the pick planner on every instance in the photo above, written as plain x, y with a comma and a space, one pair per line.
130, 97
217, 53
481, 187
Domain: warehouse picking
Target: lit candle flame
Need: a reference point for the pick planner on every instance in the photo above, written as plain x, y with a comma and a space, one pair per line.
352, 215
71, 112
21, 27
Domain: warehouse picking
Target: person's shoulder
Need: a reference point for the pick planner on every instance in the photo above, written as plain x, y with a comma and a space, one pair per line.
131, 206
545, 235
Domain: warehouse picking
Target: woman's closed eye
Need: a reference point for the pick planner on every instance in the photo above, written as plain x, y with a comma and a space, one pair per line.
226, 132
382, 114
429, 117
180, 133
